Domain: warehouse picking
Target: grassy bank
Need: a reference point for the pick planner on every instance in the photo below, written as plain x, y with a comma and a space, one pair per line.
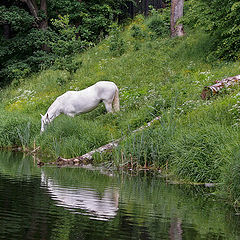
197, 140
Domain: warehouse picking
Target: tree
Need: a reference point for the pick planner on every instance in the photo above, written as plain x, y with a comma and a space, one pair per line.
29, 39
176, 14
42, 22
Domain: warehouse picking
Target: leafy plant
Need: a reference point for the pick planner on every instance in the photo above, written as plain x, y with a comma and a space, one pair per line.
221, 20
67, 63
159, 22
117, 45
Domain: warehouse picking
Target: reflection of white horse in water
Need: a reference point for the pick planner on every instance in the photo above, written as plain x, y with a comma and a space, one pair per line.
102, 207
72, 103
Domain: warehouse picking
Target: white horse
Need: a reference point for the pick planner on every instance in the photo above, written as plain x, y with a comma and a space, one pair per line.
73, 103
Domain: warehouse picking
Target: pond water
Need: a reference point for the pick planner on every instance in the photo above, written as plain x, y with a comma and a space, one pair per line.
73, 203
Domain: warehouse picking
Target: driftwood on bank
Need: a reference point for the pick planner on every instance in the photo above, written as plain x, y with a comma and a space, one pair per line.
88, 157
212, 90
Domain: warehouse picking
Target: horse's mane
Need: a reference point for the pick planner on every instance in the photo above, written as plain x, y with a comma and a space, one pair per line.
53, 105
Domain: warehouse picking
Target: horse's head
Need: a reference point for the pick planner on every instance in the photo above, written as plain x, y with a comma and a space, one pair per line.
44, 121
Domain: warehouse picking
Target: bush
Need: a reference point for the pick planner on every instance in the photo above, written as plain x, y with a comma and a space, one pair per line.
117, 45
220, 18
67, 63
15, 71
159, 22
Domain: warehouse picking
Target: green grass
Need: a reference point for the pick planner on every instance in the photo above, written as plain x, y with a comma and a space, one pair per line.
195, 139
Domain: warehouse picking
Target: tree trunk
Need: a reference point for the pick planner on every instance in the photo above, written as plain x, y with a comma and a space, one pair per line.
6, 30
146, 9
88, 157
176, 14
43, 24
33, 8
212, 90
159, 4
43, 6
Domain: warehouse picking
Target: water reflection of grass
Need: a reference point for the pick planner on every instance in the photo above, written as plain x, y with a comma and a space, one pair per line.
146, 205
151, 204
17, 165
194, 206
77, 177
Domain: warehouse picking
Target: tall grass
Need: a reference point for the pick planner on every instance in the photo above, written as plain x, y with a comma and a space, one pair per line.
71, 137
230, 187
199, 154
15, 129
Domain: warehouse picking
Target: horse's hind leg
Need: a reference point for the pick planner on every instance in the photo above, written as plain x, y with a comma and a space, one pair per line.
108, 105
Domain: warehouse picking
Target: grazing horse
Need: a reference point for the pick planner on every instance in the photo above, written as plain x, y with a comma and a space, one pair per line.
73, 103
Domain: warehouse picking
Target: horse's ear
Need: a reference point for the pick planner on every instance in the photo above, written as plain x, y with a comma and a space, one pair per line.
41, 115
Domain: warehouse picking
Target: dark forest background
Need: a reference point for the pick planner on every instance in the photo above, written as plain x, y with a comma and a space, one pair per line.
34, 33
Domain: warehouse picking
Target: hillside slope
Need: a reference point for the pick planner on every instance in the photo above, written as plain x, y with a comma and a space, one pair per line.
195, 139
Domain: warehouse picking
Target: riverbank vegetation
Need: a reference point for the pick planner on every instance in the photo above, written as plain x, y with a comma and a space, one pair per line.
195, 140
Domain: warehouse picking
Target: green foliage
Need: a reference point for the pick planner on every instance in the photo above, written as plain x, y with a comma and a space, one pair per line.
137, 32
194, 139
19, 19
15, 130
231, 178
151, 146
66, 42
24, 135
221, 19
40, 60
67, 63
196, 155
24, 52
17, 71
159, 22
73, 26
117, 45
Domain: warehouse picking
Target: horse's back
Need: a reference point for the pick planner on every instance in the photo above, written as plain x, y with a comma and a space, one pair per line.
105, 89
105, 84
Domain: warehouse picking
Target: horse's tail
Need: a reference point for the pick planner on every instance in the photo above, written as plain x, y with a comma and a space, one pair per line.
116, 104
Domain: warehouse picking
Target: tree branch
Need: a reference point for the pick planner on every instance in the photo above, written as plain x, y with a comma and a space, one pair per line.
88, 157
32, 7
212, 90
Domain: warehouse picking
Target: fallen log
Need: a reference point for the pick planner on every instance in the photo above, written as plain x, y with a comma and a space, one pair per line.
212, 90
88, 157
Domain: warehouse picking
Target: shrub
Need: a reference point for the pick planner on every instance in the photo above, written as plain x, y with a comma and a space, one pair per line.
220, 18
117, 45
159, 22
16, 71
67, 63
137, 32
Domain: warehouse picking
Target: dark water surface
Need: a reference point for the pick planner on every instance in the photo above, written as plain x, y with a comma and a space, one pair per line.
72, 203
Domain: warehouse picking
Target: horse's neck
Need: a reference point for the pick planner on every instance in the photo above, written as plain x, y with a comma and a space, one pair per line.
53, 110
